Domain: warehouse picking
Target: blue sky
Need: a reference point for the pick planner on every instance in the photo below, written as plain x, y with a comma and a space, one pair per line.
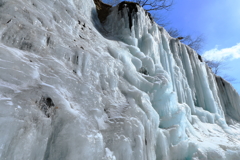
219, 22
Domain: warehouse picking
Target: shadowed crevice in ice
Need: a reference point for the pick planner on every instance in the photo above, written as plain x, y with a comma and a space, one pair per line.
46, 105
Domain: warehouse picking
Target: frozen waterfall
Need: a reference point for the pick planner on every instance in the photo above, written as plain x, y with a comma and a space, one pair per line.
80, 81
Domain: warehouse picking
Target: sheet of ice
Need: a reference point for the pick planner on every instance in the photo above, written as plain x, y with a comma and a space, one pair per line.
72, 88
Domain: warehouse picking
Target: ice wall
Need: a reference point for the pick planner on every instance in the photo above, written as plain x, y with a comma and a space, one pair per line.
74, 88
183, 89
229, 99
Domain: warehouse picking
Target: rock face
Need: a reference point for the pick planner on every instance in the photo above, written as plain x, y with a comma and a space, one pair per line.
73, 88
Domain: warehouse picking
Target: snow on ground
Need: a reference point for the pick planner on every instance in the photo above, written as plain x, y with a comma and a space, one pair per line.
72, 88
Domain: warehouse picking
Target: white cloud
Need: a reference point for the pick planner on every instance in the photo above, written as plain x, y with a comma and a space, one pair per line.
223, 54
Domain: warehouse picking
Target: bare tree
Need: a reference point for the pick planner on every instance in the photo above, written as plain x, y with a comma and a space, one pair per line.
148, 5
217, 68
173, 32
229, 79
155, 5
195, 43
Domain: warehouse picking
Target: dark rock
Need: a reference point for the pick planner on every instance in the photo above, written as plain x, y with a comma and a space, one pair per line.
103, 10
46, 105
200, 58
143, 71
